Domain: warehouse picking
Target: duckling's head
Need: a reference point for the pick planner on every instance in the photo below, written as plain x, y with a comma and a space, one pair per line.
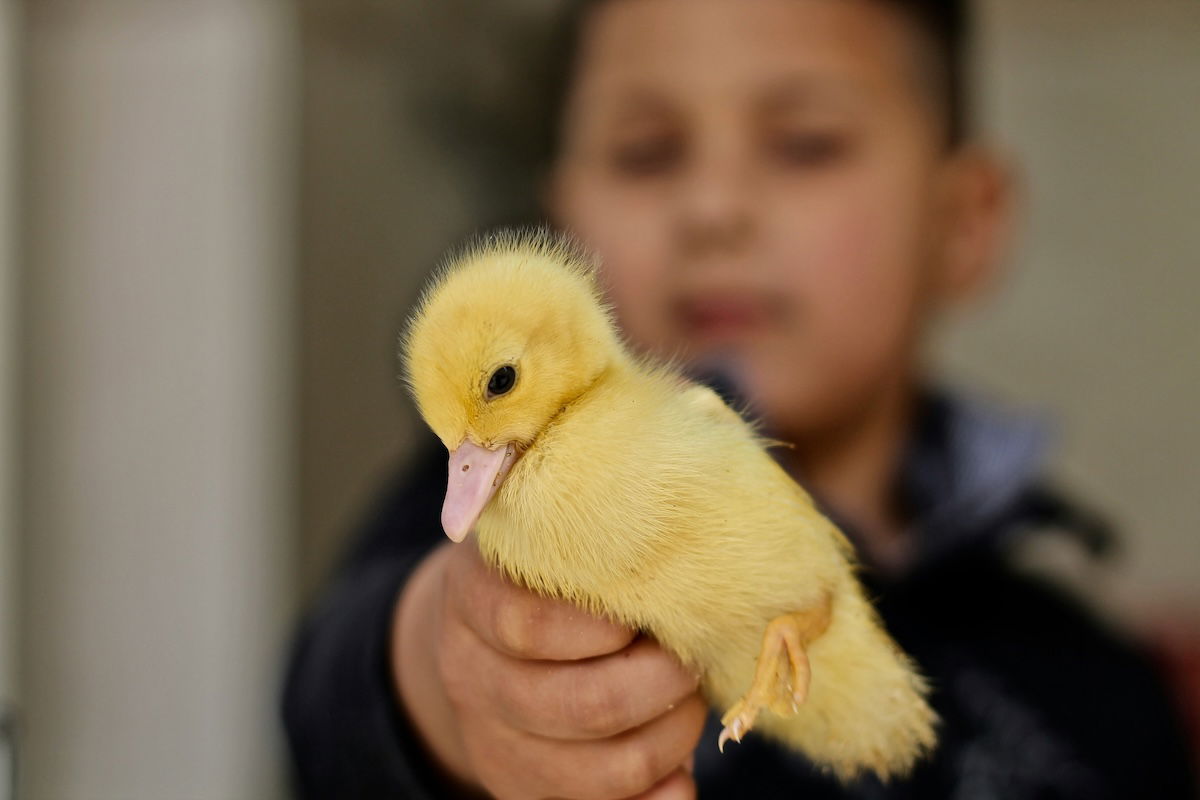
506, 336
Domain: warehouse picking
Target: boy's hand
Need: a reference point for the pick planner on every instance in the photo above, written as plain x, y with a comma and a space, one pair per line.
532, 698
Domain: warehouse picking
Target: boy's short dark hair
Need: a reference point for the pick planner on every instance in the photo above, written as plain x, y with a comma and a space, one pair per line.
946, 26
943, 24
509, 134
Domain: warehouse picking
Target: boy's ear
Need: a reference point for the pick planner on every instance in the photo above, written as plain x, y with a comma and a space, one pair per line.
980, 207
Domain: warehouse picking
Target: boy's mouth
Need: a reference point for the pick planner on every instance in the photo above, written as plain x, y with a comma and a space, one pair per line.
724, 316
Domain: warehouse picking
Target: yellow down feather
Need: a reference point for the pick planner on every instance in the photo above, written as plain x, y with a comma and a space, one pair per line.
642, 497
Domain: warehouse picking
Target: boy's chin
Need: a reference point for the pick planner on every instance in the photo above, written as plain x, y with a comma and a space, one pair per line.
798, 410
790, 400
755, 391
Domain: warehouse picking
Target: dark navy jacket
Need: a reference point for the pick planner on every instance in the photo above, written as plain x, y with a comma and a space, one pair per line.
1038, 699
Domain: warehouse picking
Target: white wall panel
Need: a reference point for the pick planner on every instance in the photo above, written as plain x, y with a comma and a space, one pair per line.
158, 558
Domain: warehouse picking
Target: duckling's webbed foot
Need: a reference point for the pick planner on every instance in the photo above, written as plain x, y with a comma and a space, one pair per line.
782, 673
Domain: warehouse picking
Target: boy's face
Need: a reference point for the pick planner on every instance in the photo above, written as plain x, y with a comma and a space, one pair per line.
766, 184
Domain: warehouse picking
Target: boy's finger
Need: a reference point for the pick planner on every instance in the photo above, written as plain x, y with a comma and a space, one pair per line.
521, 623
679, 785
592, 699
620, 767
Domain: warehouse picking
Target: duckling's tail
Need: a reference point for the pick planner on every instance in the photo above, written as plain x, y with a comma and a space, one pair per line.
866, 707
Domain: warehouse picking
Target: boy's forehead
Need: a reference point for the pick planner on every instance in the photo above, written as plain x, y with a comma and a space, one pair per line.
785, 51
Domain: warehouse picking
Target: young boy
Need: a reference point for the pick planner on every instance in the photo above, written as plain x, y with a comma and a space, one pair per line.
785, 189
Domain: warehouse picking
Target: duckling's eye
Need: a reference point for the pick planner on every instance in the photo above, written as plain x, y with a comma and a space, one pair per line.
502, 381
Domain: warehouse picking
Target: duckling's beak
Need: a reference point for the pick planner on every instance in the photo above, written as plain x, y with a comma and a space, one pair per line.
475, 474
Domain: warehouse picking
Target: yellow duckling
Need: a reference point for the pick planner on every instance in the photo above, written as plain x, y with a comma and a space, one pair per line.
593, 475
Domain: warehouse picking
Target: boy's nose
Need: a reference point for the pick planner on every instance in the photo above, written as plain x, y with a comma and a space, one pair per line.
715, 210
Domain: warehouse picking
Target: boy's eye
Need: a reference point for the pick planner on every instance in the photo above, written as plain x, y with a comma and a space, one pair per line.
807, 149
646, 157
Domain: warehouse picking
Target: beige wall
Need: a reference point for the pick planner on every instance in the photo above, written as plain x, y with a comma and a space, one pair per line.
8, 359
1098, 100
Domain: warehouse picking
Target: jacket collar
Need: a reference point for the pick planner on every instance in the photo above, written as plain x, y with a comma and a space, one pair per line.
968, 467
972, 480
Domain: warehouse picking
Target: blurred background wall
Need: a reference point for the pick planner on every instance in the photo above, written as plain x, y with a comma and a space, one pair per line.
8, 383
1098, 102
224, 209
